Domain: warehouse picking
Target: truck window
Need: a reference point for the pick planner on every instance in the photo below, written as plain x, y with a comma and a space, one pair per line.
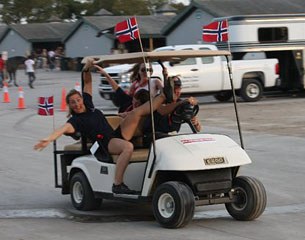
188, 61
206, 60
275, 34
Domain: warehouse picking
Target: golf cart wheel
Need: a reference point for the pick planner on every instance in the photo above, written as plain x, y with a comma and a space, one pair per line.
173, 204
82, 196
223, 96
251, 199
251, 90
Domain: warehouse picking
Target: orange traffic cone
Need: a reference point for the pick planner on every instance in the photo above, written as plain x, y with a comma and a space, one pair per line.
77, 87
21, 104
6, 95
63, 106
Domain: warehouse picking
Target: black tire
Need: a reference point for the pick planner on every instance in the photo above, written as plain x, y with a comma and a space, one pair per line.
251, 90
173, 204
82, 196
223, 96
251, 199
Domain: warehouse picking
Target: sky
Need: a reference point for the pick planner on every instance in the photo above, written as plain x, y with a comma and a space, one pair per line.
185, 2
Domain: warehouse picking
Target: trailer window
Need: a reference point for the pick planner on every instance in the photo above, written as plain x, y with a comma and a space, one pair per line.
278, 34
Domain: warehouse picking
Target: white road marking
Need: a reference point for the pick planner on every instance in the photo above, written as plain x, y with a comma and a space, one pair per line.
296, 208
34, 213
60, 213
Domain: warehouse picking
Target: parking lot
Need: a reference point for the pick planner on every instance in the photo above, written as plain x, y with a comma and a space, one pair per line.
31, 208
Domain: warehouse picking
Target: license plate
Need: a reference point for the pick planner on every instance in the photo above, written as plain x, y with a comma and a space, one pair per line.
214, 160
107, 96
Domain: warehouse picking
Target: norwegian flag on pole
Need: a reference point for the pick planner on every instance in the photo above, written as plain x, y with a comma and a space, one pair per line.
127, 30
216, 32
45, 106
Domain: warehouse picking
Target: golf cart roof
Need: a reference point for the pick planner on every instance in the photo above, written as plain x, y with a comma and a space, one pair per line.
137, 57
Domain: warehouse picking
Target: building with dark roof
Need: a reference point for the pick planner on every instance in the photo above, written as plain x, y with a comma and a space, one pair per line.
83, 36
186, 27
22, 39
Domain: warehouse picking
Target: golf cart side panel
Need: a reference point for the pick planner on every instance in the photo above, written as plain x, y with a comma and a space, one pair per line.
101, 174
199, 152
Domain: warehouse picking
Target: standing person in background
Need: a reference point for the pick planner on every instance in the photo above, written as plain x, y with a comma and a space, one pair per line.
30, 70
51, 59
2, 70
44, 56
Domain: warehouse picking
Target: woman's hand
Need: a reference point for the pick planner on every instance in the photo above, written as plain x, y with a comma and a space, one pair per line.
192, 101
196, 123
99, 69
123, 114
41, 144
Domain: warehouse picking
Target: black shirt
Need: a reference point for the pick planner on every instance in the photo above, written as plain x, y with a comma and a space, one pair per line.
124, 100
92, 123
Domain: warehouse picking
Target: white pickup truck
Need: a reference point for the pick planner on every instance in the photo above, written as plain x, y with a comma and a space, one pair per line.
206, 75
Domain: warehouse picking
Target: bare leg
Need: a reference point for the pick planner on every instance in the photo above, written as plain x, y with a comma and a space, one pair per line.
124, 149
131, 121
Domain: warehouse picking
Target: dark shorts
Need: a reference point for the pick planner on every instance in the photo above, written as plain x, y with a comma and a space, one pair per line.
117, 133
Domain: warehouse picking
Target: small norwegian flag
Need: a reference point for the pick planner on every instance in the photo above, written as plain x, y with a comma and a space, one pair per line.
216, 32
127, 30
45, 106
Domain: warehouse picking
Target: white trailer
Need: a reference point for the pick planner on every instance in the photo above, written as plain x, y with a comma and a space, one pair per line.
271, 36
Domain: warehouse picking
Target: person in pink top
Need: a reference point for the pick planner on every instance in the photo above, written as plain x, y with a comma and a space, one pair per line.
2, 69
139, 78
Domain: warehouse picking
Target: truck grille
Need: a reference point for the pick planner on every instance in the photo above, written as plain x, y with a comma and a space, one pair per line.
114, 76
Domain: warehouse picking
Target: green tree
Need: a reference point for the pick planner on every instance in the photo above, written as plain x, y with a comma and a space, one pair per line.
16, 11
130, 7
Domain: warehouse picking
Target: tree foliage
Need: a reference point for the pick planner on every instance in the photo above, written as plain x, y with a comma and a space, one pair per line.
17, 11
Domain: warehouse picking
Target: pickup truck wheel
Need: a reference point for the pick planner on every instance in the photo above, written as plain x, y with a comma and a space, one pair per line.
251, 199
82, 196
251, 90
173, 204
223, 96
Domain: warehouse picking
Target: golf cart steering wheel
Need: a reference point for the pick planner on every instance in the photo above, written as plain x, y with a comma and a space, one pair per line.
184, 113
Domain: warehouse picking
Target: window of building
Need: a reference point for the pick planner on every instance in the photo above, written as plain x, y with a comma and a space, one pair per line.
276, 34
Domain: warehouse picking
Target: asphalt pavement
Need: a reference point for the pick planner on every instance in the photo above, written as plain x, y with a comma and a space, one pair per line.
31, 208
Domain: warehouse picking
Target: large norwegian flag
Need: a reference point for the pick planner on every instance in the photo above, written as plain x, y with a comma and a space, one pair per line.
127, 30
45, 106
216, 32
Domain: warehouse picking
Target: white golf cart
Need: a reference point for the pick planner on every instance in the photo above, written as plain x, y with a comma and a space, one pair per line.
176, 173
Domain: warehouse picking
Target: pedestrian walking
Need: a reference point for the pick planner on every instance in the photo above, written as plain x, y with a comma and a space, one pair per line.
30, 70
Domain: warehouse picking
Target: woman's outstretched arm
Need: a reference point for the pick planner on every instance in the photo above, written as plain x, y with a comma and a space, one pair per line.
67, 128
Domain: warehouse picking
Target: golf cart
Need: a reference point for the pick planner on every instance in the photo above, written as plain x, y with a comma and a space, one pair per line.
176, 173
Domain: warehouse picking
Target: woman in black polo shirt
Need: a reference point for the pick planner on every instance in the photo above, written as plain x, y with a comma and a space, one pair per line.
91, 122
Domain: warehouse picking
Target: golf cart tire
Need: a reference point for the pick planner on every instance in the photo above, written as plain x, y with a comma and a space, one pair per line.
251, 199
223, 96
173, 204
251, 90
82, 196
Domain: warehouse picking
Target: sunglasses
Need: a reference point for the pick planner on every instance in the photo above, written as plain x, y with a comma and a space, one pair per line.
146, 70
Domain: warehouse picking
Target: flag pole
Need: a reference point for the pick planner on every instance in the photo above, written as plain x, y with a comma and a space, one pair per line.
54, 145
229, 64
150, 102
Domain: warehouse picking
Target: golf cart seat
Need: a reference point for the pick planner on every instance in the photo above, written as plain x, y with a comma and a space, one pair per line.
139, 154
